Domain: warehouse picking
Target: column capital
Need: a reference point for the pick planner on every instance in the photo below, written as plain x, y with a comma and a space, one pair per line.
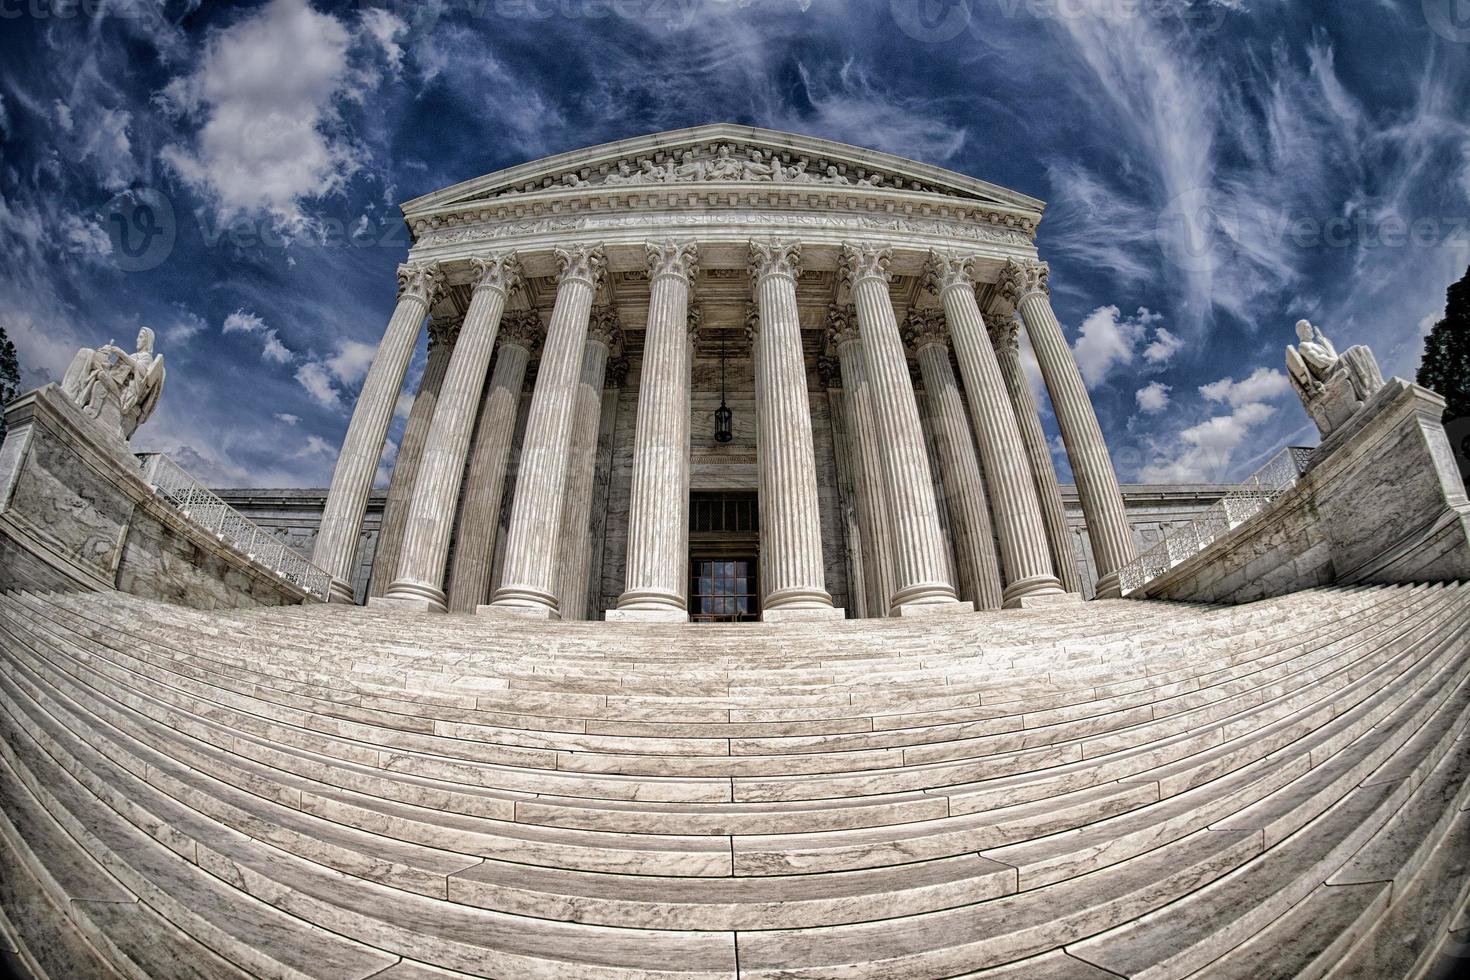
497, 271
522, 328
842, 326
603, 326
1004, 330
774, 258
581, 263
752, 322
949, 270
671, 258
444, 330
1021, 280
423, 281
861, 262
617, 372
926, 328
829, 369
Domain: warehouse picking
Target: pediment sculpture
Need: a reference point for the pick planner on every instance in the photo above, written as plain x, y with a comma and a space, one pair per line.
1332, 386
116, 389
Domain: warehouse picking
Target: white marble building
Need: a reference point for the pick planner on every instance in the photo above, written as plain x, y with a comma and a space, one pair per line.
857, 313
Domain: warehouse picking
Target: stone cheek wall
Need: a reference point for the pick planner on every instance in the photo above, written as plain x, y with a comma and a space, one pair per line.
76, 515
1382, 503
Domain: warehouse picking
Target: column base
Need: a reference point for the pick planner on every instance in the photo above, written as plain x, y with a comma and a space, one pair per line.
520, 602
341, 592
405, 594
647, 614
1109, 587
1035, 587
922, 610
802, 614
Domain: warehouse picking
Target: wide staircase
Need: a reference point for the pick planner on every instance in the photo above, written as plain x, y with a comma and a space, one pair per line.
1132, 789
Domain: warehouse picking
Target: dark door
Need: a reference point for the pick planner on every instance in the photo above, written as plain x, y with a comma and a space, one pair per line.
724, 557
724, 590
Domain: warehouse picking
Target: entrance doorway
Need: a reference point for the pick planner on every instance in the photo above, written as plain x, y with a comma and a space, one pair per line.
724, 557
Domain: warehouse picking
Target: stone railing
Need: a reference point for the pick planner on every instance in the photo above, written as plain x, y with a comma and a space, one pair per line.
205, 509
1279, 474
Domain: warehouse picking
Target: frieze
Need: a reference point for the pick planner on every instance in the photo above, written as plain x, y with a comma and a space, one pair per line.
645, 221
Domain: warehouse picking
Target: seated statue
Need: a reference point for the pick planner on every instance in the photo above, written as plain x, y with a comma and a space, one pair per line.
1332, 386
118, 389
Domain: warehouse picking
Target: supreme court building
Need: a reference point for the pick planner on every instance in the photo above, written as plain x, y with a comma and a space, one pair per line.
723, 373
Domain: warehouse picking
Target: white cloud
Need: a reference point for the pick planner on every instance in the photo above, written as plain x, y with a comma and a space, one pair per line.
1163, 347
318, 384
288, 418
314, 446
243, 322
1107, 339
351, 362
1204, 453
1153, 397
184, 329
274, 350
85, 237
266, 90
63, 116
1263, 384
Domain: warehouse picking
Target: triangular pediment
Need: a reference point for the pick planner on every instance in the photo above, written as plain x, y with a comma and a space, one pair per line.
715, 154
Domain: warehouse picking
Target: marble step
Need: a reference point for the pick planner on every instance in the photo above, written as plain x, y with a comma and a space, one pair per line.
1208, 924
253, 884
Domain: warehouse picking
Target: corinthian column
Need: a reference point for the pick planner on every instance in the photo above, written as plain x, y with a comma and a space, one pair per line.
484, 478
420, 579
528, 587
419, 287
1008, 352
1025, 288
874, 525
658, 502
793, 579
1023, 547
964, 490
442, 333
603, 334
918, 539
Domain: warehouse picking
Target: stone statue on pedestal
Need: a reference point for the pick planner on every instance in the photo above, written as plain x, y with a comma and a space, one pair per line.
1332, 386
117, 389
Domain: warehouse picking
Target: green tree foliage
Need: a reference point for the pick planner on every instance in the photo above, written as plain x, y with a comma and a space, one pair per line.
1446, 368
9, 376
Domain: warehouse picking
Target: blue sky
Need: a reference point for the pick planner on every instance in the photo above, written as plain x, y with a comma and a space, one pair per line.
1214, 170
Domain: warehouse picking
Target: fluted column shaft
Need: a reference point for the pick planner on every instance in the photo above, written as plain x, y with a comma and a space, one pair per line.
658, 502
918, 540
874, 525
1044, 474
793, 575
1092, 467
410, 455
969, 511
528, 586
479, 511
419, 287
420, 578
1024, 553
576, 521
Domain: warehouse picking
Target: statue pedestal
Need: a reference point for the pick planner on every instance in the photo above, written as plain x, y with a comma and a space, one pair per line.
76, 514
1381, 502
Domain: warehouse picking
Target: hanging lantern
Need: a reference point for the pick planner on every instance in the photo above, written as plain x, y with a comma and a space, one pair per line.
724, 418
